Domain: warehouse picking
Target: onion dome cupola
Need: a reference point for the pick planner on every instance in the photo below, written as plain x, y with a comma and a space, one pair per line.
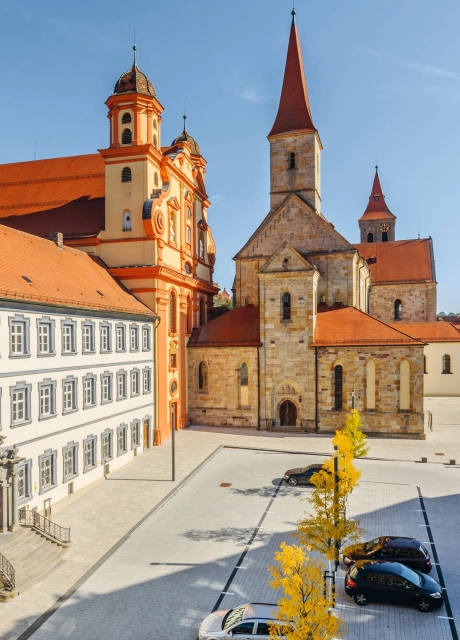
134, 81
186, 137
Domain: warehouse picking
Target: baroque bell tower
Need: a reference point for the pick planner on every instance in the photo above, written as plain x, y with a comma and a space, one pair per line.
295, 145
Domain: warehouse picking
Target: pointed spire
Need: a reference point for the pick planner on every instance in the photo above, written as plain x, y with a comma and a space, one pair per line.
294, 112
135, 62
377, 207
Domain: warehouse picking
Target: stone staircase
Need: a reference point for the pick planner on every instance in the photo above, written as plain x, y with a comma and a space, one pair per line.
32, 555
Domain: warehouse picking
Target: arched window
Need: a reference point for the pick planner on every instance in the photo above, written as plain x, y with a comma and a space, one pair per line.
286, 306
126, 136
446, 364
244, 375
292, 160
188, 235
370, 237
385, 236
338, 387
126, 119
404, 386
370, 385
244, 385
172, 227
155, 179
202, 375
155, 141
127, 221
398, 310
189, 315
202, 245
126, 175
202, 316
172, 312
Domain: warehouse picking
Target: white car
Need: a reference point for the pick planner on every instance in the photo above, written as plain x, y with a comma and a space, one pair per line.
246, 622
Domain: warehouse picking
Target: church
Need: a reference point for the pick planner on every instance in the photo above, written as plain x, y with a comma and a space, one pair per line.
318, 325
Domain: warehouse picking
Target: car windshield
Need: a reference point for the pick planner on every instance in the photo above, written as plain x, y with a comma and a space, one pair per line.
233, 617
372, 545
412, 576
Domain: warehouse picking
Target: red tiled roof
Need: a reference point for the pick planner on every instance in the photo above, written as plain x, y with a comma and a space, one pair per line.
237, 328
294, 112
349, 327
452, 319
59, 194
430, 331
377, 209
62, 277
400, 261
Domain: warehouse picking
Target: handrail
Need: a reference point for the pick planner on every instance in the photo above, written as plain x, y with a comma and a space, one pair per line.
7, 573
39, 522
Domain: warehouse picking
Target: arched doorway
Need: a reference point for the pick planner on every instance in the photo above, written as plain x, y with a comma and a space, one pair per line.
288, 414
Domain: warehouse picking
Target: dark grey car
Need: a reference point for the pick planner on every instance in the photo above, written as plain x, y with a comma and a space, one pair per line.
302, 475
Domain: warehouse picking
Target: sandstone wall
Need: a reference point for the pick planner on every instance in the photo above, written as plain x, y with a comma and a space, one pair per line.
220, 402
418, 301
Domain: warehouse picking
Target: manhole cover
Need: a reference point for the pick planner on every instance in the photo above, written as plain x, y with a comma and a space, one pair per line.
225, 484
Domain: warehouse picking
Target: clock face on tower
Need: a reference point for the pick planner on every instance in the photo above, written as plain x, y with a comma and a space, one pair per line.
384, 228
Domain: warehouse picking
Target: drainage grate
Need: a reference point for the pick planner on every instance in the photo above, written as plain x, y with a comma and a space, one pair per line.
225, 484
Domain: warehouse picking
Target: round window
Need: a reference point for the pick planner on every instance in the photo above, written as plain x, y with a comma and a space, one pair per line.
173, 387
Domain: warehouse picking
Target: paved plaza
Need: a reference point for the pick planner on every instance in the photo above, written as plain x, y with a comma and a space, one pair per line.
131, 574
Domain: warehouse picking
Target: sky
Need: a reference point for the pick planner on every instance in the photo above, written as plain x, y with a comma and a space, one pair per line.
383, 79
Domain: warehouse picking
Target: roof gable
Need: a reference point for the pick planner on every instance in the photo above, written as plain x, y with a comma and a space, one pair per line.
285, 260
296, 223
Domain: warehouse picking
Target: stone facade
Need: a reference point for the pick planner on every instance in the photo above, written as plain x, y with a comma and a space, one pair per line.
219, 402
377, 228
386, 418
418, 301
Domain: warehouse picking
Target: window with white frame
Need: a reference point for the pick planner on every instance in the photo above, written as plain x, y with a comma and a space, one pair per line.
135, 382
121, 337
121, 385
146, 339
19, 336
20, 403
88, 337
89, 453
106, 445
69, 342
70, 460
69, 394
106, 335
147, 380
47, 465
24, 481
89, 391
45, 331
134, 337
47, 399
121, 440
135, 434
106, 387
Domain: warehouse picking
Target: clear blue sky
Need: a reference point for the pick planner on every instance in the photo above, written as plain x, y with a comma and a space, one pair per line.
384, 81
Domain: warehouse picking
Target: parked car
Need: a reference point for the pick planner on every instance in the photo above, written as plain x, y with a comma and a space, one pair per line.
407, 551
243, 622
392, 582
301, 475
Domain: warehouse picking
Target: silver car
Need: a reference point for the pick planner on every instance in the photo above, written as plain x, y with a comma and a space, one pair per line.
247, 622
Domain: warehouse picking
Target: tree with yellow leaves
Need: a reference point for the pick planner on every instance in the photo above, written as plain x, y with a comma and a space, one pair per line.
304, 610
352, 430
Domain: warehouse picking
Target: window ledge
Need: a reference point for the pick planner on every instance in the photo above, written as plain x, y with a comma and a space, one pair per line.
89, 406
448, 373
87, 469
13, 425
122, 453
121, 351
15, 356
69, 353
70, 478
52, 415
65, 412
46, 355
105, 351
122, 398
85, 352
50, 488
135, 395
107, 401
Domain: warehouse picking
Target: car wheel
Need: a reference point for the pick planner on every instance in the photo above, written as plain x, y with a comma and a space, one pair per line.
424, 605
293, 482
360, 599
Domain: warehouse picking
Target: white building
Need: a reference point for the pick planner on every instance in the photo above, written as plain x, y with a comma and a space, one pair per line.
76, 373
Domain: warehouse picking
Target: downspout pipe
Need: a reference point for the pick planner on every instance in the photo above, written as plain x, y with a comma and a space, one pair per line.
316, 391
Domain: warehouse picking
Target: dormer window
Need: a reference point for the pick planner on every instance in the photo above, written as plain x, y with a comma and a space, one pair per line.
126, 175
127, 221
126, 136
292, 160
126, 119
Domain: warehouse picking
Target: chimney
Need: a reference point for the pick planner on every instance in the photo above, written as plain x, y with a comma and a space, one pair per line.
58, 239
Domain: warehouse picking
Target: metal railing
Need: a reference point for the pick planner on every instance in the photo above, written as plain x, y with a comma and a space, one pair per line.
39, 522
7, 573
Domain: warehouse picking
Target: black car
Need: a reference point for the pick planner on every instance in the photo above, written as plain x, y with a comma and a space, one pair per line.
301, 475
408, 551
392, 582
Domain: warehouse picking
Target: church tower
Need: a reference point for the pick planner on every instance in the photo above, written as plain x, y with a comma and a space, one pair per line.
295, 146
377, 224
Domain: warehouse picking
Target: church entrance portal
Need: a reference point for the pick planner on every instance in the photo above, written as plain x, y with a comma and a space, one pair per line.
288, 414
